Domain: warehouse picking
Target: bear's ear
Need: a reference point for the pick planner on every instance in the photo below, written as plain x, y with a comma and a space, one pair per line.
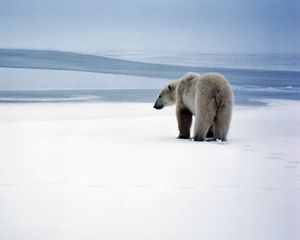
169, 87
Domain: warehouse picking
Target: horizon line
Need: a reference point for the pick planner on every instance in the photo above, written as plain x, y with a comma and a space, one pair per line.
95, 51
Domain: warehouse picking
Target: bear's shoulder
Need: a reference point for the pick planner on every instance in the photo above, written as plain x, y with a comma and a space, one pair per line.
187, 83
189, 76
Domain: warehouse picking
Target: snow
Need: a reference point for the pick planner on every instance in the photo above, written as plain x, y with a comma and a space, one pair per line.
117, 171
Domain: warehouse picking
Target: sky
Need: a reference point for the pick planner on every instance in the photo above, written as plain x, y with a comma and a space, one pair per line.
218, 26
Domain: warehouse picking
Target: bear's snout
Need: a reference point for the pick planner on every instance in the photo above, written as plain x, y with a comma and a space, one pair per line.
158, 104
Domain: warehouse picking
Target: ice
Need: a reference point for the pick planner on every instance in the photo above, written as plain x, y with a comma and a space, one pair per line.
117, 171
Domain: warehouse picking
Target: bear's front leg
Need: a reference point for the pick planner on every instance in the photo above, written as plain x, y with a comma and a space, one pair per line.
184, 120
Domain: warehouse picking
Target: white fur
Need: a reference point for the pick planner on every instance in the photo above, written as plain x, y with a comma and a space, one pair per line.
208, 97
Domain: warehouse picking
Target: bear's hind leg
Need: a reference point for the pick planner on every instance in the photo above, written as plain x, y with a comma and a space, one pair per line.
202, 125
222, 122
204, 120
211, 131
184, 119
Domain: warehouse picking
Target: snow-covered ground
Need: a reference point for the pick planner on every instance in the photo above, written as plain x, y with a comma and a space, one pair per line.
117, 171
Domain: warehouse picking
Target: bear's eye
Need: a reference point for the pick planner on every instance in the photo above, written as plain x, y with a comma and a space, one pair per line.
159, 96
169, 87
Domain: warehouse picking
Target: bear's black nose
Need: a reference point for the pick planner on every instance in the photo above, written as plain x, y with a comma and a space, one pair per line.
156, 106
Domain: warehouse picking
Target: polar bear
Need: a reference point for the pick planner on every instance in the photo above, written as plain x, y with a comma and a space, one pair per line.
208, 97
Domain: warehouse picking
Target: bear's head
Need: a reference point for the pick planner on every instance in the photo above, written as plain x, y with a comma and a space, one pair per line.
166, 97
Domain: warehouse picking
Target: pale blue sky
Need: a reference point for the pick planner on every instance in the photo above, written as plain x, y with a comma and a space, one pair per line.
251, 26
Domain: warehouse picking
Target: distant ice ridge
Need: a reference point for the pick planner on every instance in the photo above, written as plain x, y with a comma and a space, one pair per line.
45, 99
286, 89
282, 62
244, 95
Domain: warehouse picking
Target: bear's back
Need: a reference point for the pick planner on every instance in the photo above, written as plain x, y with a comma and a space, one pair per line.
215, 85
